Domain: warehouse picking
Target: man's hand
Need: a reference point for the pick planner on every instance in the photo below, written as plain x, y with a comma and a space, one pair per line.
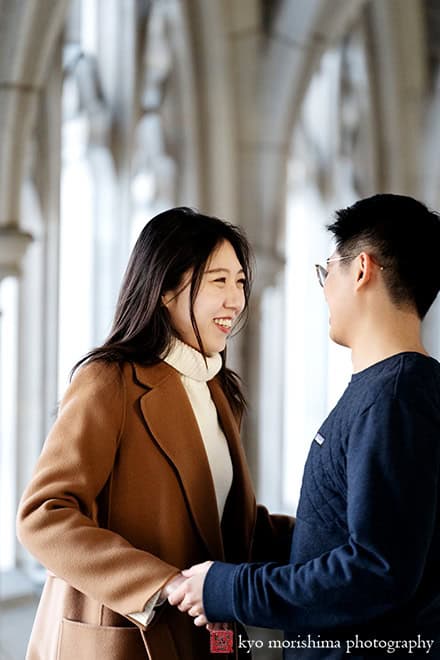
188, 596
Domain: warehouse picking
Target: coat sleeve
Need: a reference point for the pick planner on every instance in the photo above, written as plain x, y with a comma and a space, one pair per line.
272, 536
58, 517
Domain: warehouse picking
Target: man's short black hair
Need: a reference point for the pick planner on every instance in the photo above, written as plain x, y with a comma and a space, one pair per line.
403, 236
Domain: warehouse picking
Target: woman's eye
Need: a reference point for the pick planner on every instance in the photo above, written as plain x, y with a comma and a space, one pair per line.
241, 282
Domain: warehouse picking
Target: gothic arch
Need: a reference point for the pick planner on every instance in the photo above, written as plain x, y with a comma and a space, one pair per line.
298, 35
28, 40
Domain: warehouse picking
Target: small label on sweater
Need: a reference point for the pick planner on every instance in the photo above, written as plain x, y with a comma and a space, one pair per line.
319, 439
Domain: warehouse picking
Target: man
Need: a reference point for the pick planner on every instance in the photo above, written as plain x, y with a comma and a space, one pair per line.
364, 571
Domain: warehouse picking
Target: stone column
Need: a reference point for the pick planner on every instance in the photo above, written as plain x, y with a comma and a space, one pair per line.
264, 349
29, 33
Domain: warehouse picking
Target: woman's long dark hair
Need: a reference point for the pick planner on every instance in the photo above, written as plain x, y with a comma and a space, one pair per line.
171, 244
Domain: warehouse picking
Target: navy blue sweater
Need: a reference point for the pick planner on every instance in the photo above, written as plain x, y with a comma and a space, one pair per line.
365, 553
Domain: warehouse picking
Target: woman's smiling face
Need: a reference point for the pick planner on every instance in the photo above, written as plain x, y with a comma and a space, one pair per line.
218, 303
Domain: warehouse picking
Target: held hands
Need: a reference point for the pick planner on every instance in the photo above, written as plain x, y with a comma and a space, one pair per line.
186, 592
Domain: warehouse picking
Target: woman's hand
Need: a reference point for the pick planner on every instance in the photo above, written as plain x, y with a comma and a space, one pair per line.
188, 596
170, 586
217, 626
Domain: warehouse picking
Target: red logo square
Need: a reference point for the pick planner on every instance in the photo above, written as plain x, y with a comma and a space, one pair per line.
222, 641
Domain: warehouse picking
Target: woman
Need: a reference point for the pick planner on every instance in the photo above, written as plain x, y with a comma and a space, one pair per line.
143, 472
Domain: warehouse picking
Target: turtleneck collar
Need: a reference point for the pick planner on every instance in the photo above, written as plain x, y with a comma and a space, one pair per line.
191, 363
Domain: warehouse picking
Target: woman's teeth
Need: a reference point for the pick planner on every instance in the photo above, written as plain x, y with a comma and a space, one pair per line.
226, 323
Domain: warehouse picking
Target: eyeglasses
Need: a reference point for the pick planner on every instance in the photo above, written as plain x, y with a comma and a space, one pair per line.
322, 272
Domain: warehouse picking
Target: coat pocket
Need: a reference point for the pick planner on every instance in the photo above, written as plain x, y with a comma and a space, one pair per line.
81, 640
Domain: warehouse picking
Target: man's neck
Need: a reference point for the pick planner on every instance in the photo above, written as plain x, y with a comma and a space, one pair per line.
386, 337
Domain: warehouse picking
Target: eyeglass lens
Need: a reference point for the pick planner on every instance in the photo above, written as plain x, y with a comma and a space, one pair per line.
322, 273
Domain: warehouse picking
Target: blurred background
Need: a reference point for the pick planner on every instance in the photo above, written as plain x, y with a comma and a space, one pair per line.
268, 113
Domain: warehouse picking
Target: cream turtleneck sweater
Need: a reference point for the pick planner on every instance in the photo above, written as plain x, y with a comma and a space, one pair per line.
195, 374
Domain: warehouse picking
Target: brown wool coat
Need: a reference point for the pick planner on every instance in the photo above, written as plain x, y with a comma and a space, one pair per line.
122, 498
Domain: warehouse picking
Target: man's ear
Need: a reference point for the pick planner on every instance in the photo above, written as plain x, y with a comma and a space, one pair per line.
364, 269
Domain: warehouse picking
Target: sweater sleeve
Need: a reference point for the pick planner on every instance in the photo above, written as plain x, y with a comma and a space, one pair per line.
58, 514
392, 483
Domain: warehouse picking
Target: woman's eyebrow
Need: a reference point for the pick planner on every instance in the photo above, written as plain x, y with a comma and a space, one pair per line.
222, 270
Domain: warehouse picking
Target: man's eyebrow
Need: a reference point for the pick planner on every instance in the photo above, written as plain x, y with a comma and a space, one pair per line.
222, 270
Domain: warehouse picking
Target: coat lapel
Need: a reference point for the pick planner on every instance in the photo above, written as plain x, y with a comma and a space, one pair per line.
169, 416
240, 509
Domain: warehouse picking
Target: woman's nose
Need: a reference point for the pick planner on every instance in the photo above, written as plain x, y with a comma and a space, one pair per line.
235, 297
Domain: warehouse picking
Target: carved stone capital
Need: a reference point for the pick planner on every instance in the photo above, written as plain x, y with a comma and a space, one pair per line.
13, 245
